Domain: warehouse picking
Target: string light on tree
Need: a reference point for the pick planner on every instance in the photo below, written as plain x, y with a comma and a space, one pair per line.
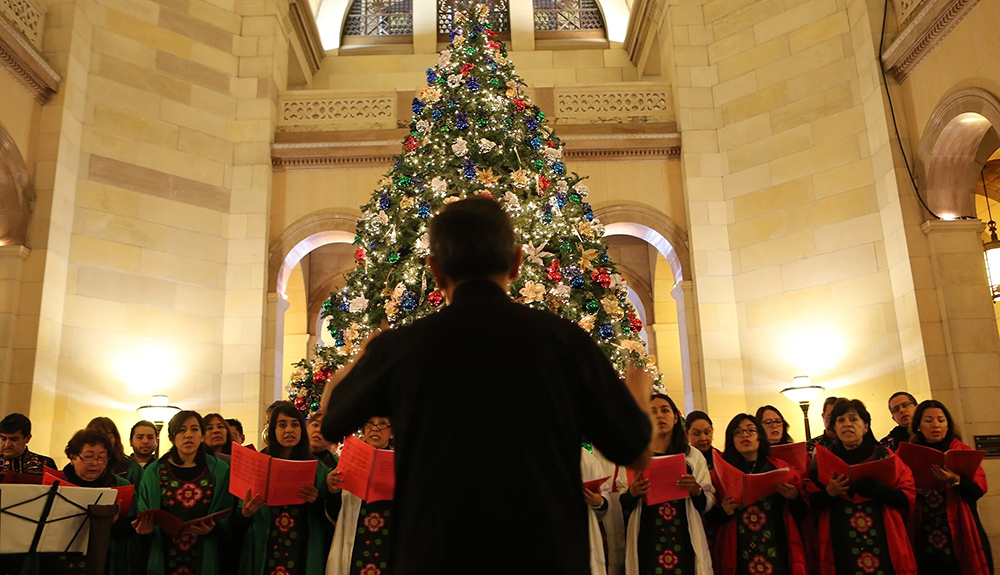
475, 133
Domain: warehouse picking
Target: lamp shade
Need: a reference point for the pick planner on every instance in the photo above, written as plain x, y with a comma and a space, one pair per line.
992, 255
802, 392
159, 409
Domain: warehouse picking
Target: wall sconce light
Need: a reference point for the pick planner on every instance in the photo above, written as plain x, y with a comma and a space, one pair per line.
158, 411
802, 391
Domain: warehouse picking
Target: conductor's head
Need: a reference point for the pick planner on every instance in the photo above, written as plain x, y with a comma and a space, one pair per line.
472, 239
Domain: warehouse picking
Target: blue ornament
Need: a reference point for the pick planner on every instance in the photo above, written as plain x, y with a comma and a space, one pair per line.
561, 200
344, 306
531, 123
424, 210
384, 202
572, 271
418, 105
577, 282
469, 169
409, 304
454, 33
477, 28
547, 218
588, 212
535, 143
452, 103
605, 330
469, 174
491, 65
431, 76
559, 168
472, 84
436, 114
462, 120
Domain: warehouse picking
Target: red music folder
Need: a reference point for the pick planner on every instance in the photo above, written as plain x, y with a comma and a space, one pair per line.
663, 474
368, 473
594, 486
882, 471
920, 458
747, 488
172, 525
794, 454
279, 480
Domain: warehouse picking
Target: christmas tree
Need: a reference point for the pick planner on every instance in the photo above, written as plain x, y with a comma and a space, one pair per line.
474, 132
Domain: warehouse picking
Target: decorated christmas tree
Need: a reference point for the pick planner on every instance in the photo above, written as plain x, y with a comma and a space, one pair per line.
474, 132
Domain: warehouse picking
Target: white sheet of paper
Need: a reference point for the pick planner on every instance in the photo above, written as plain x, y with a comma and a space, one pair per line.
16, 534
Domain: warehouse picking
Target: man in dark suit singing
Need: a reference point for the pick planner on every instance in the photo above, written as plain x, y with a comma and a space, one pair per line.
489, 400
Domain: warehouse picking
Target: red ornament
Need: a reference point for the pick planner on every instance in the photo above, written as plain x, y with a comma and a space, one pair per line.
519, 104
359, 255
411, 144
491, 33
634, 322
601, 276
494, 45
467, 67
550, 144
485, 194
321, 376
435, 298
543, 183
300, 403
553, 270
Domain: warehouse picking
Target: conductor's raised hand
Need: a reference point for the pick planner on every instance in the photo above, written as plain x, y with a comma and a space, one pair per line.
334, 480
252, 503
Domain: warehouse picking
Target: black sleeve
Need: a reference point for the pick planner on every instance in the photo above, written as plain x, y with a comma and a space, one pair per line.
612, 419
332, 504
700, 501
363, 393
821, 500
969, 491
718, 515
799, 508
628, 503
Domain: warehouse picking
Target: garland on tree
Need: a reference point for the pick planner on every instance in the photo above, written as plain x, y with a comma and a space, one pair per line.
475, 132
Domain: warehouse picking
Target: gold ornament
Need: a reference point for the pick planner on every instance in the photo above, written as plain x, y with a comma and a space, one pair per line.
587, 323
586, 258
486, 176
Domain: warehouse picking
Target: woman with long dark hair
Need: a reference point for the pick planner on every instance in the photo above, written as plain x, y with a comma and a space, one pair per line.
669, 536
119, 463
286, 539
189, 483
773, 425
948, 536
861, 528
764, 536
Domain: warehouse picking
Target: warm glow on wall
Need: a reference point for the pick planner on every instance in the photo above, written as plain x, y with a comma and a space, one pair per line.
814, 349
148, 367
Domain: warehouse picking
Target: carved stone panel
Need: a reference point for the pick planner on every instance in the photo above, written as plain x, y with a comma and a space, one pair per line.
619, 103
318, 111
27, 16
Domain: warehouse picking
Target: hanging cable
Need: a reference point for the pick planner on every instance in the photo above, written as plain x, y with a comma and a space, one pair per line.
892, 114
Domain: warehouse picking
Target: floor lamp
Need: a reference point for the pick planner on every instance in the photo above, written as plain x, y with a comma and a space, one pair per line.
158, 411
803, 392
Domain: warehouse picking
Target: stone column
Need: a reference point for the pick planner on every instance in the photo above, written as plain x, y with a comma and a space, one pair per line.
16, 397
964, 373
690, 341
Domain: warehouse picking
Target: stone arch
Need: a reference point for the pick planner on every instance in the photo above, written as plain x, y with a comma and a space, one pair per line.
959, 137
305, 235
661, 232
17, 197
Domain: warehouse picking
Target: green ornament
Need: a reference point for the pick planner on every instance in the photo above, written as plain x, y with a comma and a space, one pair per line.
495, 81
538, 164
445, 128
574, 198
393, 258
481, 122
591, 305
403, 180
314, 406
626, 329
414, 133
509, 121
540, 115
639, 363
442, 80
470, 50
357, 238
565, 246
